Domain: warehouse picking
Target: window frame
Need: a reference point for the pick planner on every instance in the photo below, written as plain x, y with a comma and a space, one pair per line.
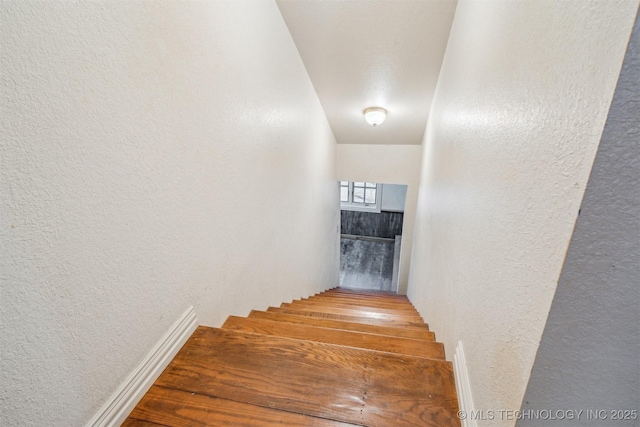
350, 205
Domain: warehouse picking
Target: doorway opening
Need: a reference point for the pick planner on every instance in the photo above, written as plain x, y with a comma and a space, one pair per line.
371, 220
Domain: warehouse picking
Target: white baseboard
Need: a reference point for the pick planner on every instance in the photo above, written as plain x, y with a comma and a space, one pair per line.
465, 400
122, 402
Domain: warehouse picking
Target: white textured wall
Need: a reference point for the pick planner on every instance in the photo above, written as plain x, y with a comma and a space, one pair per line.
589, 356
518, 112
154, 155
389, 164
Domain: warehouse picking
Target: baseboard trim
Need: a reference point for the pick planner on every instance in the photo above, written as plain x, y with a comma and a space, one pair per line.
127, 396
465, 400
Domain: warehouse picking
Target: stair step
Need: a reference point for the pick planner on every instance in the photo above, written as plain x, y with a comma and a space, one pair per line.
403, 300
419, 334
410, 311
357, 319
322, 380
370, 294
410, 347
179, 408
352, 312
374, 297
367, 303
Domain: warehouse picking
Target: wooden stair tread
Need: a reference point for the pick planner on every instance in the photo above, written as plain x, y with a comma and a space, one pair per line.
352, 312
365, 292
407, 346
410, 311
179, 408
343, 357
391, 296
323, 380
382, 298
357, 302
420, 334
348, 318
366, 299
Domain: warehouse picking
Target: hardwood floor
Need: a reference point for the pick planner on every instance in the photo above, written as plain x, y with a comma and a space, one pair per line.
339, 358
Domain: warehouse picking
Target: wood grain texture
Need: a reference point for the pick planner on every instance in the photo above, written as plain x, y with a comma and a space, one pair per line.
323, 380
178, 408
406, 311
352, 312
418, 334
365, 299
369, 294
410, 347
355, 319
364, 293
368, 303
338, 359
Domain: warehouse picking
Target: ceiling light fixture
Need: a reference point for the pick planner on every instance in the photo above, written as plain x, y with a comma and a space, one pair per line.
375, 115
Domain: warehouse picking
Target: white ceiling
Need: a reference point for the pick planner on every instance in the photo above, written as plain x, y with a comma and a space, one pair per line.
364, 53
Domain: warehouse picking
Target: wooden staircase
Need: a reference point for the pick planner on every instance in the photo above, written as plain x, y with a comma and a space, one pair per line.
339, 358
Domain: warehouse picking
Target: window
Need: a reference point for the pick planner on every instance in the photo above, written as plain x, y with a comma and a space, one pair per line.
360, 196
344, 191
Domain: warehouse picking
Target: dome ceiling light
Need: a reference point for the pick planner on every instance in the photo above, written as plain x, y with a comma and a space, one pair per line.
375, 115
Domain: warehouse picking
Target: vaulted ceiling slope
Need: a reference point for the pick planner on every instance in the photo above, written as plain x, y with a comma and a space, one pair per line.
364, 53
